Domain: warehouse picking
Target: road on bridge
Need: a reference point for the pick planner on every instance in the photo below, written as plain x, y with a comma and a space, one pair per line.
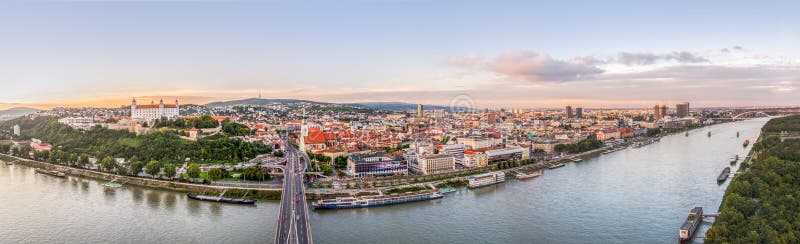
293, 226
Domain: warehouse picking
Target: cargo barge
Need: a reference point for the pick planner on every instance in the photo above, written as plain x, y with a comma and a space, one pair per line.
556, 166
220, 199
724, 175
376, 201
51, 173
689, 226
486, 179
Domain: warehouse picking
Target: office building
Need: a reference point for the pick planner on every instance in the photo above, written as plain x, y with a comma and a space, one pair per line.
568, 111
376, 164
579, 113
664, 111
419, 110
682, 110
435, 163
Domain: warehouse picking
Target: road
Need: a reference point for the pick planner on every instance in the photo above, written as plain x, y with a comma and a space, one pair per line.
293, 226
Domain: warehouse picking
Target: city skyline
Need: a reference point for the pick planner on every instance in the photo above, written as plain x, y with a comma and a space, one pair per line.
513, 55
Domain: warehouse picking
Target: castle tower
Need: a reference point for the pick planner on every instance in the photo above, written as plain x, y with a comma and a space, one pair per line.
133, 108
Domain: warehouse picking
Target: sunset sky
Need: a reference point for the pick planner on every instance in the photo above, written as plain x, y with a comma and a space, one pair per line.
505, 54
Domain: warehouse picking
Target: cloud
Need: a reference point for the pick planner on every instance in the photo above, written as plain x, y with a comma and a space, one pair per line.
725, 50
532, 66
738, 48
631, 59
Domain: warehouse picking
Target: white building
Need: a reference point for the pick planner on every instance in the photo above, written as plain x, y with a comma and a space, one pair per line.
479, 142
154, 111
84, 123
455, 150
435, 163
16, 130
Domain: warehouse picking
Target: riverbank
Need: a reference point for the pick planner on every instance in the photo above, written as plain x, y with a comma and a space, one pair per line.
760, 201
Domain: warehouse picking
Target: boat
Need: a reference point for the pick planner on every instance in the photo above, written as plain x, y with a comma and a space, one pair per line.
724, 175
376, 201
481, 180
746, 142
690, 225
521, 176
709, 134
556, 166
737, 134
687, 133
734, 159
51, 173
112, 184
613, 150
576, 160
220, 199
444, 190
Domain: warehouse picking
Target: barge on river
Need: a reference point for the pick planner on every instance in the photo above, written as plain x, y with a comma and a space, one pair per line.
375, 201
220, 199
51, 173
689, 227
724, 175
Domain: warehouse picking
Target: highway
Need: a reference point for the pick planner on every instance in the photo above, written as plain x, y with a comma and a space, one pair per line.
293, 226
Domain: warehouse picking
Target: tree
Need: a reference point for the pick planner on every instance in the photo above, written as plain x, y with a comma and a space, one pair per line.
193, 170
122, 171
169, 170
216, 174
153, 168
108, 164
136, 167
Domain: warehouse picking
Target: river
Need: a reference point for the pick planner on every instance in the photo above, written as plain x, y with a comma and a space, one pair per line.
637, 195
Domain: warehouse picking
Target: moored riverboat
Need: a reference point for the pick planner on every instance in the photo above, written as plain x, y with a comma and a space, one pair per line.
486, 179
51, 173
220, 199
375, 201
689, 226
556, 166
724, 174
521, 176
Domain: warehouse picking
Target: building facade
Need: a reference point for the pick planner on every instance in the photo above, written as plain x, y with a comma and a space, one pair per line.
435, 163
475, 160
376, 164
682, 110
154, 111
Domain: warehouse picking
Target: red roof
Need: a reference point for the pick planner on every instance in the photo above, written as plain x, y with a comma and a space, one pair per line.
156, 106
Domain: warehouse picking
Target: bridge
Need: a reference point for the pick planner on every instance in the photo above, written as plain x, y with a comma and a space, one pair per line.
293, 224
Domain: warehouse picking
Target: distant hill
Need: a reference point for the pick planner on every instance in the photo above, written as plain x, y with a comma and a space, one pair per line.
259, 102
400, 106
16, 112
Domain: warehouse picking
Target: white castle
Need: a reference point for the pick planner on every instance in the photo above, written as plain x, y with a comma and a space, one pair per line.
154, 111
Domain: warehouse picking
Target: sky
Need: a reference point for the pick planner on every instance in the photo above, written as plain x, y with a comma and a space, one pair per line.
490, 54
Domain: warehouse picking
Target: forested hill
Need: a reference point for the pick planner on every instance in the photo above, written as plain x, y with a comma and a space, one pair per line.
762, 203
164, 147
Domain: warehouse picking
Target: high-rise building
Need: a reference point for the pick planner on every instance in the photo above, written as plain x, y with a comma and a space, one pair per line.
656, 112
419, 110
16, 130
579, 112
664, 111
682, 109
568, 111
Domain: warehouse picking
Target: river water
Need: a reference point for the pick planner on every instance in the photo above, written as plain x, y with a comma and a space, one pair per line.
631, 196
